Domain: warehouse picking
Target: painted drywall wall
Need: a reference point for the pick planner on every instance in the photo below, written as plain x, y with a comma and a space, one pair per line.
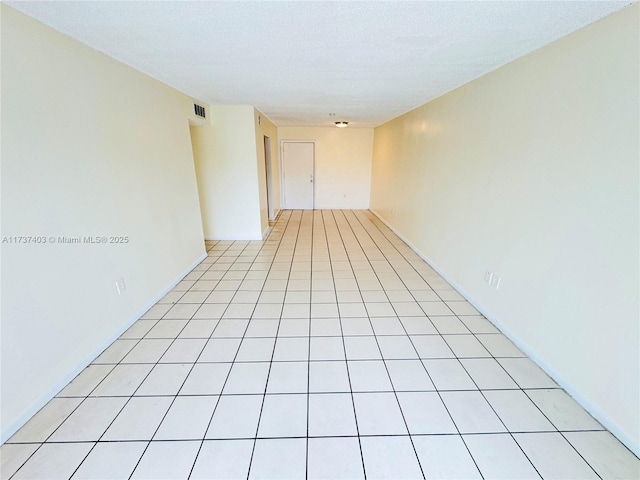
342, 164
90, 148
532, 172
266, 128
227, 172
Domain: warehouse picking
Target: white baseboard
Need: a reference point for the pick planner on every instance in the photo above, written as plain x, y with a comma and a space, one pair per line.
266, 233
36, 405
592, 409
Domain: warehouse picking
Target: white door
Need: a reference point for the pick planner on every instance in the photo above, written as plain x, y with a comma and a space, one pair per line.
297, 166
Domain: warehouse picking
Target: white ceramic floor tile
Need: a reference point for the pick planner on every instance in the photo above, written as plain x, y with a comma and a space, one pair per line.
334, 458
466, 346
448, 374
247, 378
167, 460
390, 458
431, 346
326, 348
164, 380
198, 329
331, 415
445, 457
279, 459
499, 456
123, 380
236, 416
369, 376
256, 350
499, 345
157, 311
378, 414
553, 456
606, 455
478, 324
211, 310
89, 421
167, 329
223, 460
230, 328
526, 373
187, 419
409, 375
147, 351
268, 310
288, 377
397, 348
435, 308
139, 419
471, 412
387, 326
285, 311
284, 416
220, 350
425, 413
53, 461
291, 349
517, 411
325, 327
449, 325
116, 352
262, 328
181, 311
206, 379
139, 329
328, 377
487, 373
356, 326
294, 327
13, 456
110, 461
352, 310
562, 410
418, 325
362, 348
43, 423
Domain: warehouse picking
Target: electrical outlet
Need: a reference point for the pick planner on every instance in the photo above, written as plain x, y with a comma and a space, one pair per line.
492, 279
120, 286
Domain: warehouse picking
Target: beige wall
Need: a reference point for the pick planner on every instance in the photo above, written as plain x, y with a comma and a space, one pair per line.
532, 172
90, 147
228, 174
342, 164
265, 127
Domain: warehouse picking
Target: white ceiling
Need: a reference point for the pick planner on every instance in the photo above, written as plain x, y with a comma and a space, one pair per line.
298, 61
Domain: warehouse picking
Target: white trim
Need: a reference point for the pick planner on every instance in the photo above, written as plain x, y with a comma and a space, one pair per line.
37, 404
266, 232
231, 238
592, 409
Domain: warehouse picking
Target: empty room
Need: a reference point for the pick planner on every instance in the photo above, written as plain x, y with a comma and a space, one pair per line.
320, 239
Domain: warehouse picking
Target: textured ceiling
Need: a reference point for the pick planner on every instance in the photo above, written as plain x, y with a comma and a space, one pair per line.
298, 61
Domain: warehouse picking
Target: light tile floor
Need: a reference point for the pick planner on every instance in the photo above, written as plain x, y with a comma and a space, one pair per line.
328, 351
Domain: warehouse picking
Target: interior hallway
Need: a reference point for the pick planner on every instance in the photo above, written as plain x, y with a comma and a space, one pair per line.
330, 350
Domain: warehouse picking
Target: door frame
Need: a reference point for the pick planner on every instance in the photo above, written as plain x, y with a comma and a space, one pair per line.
266, 140
283, 193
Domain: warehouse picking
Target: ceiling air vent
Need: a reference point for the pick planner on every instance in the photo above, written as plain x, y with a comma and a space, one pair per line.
199, 110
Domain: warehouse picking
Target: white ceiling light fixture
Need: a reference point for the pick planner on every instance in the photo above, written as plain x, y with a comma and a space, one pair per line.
342, 124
